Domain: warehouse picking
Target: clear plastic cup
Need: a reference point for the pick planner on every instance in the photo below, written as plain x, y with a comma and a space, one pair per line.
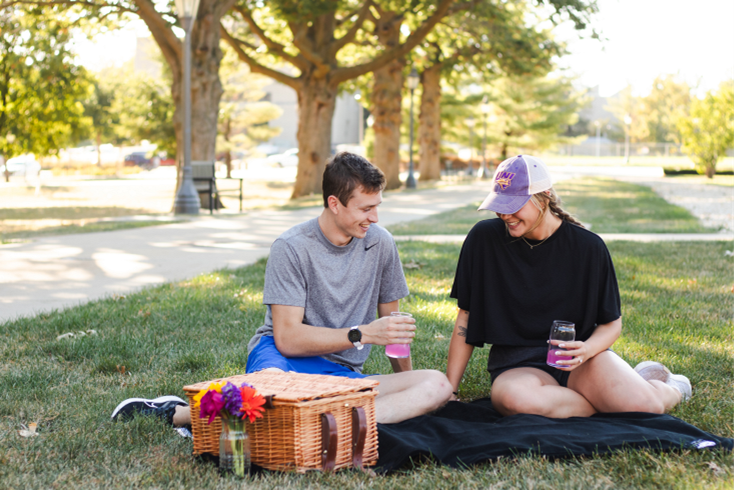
398, 351
565, 332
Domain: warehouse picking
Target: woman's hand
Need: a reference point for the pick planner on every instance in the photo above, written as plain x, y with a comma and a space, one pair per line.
577, 350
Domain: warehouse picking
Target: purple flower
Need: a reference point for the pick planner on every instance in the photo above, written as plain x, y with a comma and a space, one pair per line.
232, 399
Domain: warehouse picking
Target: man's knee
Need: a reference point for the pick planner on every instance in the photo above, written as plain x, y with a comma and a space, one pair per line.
436, 386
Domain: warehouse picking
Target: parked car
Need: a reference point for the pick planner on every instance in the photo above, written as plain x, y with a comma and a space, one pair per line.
288, 158
142, 160
21, 165
138, 158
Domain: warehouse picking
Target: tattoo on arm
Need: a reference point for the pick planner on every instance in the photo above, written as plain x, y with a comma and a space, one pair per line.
462, 331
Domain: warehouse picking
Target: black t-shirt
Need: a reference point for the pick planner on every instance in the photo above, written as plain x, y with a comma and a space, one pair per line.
514, 293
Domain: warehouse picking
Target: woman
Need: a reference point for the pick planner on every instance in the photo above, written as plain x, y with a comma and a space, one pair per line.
518, 274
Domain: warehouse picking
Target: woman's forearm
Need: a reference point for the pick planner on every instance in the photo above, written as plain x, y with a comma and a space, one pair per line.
604, 337
459, 351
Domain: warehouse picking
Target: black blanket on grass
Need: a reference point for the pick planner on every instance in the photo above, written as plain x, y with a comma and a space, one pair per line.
469, 433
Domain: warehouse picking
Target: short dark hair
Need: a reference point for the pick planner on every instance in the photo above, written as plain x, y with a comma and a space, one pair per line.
345, 172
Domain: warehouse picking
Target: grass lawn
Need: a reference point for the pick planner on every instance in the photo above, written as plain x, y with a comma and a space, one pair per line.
677, 301
610, 206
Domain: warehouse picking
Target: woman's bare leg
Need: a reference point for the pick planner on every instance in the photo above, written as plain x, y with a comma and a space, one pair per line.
611, 385
530, 390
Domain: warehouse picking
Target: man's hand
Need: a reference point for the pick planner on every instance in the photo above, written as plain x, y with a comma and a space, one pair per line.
389, 330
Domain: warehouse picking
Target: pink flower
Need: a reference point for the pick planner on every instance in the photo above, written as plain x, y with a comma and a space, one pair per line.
210, 405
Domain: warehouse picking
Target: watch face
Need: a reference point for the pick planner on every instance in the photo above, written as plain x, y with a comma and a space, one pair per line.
354, 335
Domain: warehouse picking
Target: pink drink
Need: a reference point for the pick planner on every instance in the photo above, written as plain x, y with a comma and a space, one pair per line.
562, 332
553, 358
397, 350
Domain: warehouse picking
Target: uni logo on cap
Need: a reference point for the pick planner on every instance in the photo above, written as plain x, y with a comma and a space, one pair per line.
504, 179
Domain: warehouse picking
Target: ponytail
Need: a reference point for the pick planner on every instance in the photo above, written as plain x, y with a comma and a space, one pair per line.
554, 205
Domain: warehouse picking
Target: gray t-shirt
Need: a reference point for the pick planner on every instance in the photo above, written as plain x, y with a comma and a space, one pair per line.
338, 287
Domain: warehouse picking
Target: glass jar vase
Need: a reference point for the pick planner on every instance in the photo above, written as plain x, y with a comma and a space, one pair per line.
234, 447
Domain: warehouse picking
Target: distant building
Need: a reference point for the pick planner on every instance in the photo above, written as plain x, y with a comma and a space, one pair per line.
345, 127
597, 108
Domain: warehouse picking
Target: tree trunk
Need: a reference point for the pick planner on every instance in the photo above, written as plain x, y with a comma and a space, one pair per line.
387, 99
226, 132
316, 102
206, 88
99, 151
429, 125
711, 170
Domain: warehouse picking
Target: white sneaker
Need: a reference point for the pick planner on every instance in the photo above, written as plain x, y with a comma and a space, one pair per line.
650, 370
682, 384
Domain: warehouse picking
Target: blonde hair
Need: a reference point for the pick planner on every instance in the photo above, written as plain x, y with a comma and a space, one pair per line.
549, 200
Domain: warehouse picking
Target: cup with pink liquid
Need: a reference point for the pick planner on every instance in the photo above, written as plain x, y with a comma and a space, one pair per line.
565, 332
398, 351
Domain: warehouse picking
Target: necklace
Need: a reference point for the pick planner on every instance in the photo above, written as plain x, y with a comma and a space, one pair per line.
537, 244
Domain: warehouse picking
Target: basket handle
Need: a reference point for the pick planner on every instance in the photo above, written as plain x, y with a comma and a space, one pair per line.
359, 435
268, 401
329, 441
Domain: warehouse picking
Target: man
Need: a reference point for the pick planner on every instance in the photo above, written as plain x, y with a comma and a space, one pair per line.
325, 281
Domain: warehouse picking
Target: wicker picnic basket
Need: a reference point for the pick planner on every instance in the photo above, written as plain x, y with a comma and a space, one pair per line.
312, 422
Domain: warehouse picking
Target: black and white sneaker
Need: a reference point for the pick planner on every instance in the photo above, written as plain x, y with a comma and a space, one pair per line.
163, 407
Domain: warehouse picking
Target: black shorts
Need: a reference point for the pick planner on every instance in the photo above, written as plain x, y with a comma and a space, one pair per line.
503, 358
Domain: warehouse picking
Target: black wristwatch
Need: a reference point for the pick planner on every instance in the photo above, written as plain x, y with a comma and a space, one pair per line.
355, 336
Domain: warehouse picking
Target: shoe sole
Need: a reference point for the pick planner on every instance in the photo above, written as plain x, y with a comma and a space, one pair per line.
160, 399
651, 370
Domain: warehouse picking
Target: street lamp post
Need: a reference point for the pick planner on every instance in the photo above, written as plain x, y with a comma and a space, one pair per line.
470, 168
413, 80
187, 198
627, 122
485, 108
598, 142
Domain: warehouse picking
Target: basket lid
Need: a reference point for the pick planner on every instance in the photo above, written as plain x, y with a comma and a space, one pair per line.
294, 387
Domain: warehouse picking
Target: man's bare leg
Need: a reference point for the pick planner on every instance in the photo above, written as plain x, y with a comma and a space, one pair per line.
409, 394
182, 416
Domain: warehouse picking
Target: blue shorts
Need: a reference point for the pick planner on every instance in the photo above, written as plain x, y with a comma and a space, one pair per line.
266, 355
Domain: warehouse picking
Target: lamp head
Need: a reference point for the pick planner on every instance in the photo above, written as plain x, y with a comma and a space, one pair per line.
413, 79
187, 8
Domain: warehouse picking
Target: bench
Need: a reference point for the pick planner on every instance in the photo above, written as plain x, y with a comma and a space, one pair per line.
205, 181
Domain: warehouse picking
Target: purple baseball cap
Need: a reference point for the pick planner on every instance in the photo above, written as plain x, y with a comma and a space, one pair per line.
515, 181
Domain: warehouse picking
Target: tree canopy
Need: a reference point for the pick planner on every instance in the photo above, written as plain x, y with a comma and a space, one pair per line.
709, 130
41, 89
